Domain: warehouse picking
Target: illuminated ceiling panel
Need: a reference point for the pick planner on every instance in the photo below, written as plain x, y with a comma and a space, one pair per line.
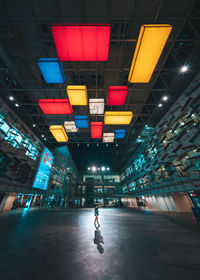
116, 95
52, 70
151, 41
108, 137
117, 118
96, 129
55, 106
96, 106
120, 133
77, 95
82, 42
81, 121
70, 126
59, 133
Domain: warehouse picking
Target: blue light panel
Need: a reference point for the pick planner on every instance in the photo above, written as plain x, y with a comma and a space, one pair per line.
120, 133
81, 121
52, 70
44, 170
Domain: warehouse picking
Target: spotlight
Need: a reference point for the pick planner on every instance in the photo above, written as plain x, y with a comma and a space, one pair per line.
94, 169
17, 105
165, 98
108, 168
42, 135
88, 168
45, 138
184, 68
103, 168
160, 105
11, 98
34, 125
98, 168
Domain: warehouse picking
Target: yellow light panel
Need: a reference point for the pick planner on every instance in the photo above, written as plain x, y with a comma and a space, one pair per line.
150, 44
118, 117
59, 133
77, 95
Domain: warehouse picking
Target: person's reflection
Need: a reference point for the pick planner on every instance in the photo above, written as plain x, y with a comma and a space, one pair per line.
98, 239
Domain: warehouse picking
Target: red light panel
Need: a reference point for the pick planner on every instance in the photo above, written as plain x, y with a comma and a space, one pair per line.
96, 129
55, 106
82, 42
116, 95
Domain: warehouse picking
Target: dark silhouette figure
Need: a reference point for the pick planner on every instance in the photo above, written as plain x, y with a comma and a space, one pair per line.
98, 239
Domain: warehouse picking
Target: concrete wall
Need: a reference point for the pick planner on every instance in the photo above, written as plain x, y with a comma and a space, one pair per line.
182, 202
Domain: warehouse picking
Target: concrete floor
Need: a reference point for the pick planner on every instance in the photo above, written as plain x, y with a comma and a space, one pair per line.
59, 244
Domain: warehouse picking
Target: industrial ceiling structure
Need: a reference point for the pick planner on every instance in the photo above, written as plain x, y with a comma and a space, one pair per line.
27, 36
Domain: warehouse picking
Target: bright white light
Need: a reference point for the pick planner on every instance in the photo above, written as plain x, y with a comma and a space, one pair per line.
34, 125
96, 106
160, 105
45, 139
117, 145
88, 168
94, 168
11, 98
103, 168
17, 105
108, 168
98, 168
165, 98
184, 69
42, 135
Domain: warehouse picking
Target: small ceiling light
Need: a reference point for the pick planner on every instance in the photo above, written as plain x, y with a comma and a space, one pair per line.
42, 135
11, 98
117, 145
94, 168
165, 98
34, 125
17, 105
78, 145
108, 168
160, 105
184, 69
88, 145
97, 145
45, 139
103, 168
88, 168
98, 168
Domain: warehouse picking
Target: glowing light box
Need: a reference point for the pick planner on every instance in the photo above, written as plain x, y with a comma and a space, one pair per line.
77, 95
55, 106
116, 95
81, 121
59, 133
108, 137
151, 41
96, 129
82, 42
120, 133
52, 70
96, 106
116, 118
70, 126
44, 170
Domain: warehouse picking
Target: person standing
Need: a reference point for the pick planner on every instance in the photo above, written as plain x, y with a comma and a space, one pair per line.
96, 214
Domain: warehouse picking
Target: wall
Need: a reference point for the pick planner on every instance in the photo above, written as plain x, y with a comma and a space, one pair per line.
9, 202
129, 201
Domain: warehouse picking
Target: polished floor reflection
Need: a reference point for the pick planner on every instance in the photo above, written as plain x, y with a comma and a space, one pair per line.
130, 244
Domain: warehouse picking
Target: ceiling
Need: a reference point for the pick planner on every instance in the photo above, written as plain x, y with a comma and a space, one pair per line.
26, 36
